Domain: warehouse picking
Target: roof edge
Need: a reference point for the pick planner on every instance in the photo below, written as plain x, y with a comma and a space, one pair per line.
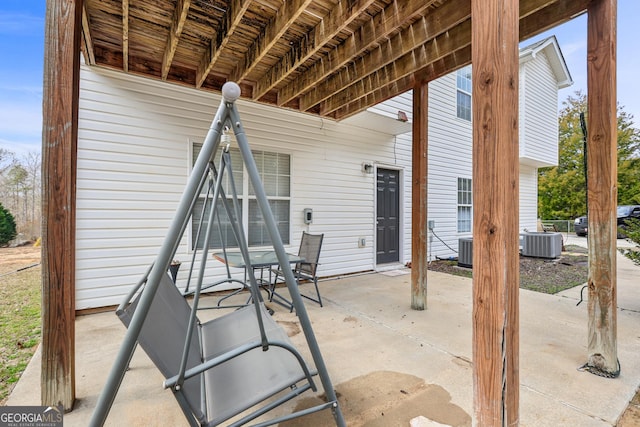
551, 48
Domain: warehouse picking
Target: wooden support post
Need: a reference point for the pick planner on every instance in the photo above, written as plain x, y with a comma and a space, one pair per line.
603, 190
59, 143
494, 57
419, 229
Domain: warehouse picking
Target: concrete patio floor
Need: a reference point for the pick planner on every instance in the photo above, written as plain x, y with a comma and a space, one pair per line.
367, 326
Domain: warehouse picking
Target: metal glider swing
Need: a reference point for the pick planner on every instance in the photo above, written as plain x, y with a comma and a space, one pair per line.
241, 365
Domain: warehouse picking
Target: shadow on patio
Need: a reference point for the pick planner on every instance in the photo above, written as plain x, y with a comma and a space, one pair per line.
389, 363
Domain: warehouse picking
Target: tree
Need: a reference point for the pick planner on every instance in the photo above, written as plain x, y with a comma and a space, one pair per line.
562, 189
7, 159
628, 160
632, 231
7, 226
20, 190
32, 165
17, 184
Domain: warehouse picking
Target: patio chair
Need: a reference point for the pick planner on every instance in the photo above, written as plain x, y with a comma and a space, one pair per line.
310, 246
230, 364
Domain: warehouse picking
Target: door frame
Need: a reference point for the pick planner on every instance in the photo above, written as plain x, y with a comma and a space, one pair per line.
401, 217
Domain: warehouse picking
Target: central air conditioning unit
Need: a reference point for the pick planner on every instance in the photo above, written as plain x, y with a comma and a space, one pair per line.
542, 245
465, 252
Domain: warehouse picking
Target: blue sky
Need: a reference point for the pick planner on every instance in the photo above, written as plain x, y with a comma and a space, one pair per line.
22, 52
21, 61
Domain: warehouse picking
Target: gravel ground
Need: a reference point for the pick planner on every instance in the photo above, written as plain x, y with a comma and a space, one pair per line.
537, 274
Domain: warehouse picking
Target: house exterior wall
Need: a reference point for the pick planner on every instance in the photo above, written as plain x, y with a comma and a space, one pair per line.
450, 158
134, 156
450, 149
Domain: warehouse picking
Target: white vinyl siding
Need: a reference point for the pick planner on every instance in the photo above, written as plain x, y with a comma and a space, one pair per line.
528, 198
450, 145
391, 107
134, 159
538, 113
450, 157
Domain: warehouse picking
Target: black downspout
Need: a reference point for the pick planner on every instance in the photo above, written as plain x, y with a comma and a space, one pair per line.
583, 125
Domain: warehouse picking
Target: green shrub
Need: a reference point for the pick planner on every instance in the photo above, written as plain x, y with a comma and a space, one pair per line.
7, 226
632, 231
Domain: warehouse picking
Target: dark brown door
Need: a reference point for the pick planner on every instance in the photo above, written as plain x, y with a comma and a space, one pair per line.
388, 216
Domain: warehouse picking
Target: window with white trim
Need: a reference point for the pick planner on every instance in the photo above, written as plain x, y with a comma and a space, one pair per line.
463, 93
465, 205
275, 173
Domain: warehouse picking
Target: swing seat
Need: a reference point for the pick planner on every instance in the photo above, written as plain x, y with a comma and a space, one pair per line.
231, 367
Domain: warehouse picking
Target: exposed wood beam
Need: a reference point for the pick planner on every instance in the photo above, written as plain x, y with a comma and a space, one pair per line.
448, 64
337, 20
527, 7
535, 14
431, 51
87, 42
433, 71
61, 88
495, 80
125, 35
230, 23
445, 18
419, 196
603, 189
177, 23
432, 27
276, 27
380, 26
546, 18
380, 94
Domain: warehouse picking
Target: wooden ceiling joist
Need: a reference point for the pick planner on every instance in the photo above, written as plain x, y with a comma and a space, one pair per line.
323, 56
275, 29
547, 17
305, 48
434, 70
231, 21
125, 35
177, 23
425, 54
377, 28
87, 43
400, 48
454, 61
380, 94
534, 14
528, 7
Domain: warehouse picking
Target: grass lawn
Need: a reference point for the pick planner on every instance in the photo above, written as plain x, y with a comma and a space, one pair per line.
20, 300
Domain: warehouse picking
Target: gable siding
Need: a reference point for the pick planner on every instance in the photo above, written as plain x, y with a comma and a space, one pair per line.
528, 198
390, 108
133, 162
450, 158
539, 124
